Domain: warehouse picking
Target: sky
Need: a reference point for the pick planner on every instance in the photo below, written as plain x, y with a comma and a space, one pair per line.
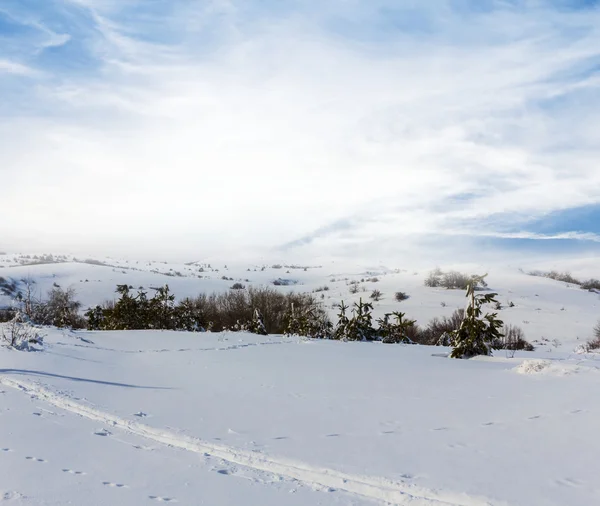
371, 129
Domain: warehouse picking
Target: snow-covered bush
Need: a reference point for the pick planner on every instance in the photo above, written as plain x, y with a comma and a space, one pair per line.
19, 334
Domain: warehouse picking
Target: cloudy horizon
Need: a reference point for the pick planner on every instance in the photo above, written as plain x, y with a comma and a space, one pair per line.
344, 128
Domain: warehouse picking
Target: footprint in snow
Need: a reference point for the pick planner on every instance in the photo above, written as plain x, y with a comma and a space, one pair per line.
114, 485
162, 499
535, 417
71, 471
11, 496
6, 450
487, 424
35, 459
103, 432
140, 414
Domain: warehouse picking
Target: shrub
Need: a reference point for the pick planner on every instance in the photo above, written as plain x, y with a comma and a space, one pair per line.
437, 327
7, 314
237, 286
60, 309
513, 339
591, 285
400, 296
452, 280
308, 321
19, 334
434, 279
354, 287
376, 295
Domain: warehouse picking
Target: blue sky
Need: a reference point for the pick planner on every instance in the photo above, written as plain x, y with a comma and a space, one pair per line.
346, 127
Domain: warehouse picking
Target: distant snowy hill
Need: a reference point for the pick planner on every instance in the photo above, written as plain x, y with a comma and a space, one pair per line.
553, 314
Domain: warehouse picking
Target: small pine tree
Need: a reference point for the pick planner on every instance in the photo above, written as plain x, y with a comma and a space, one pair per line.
341, 329
95, 318
360, 326
476, 333
396, 332
256, 325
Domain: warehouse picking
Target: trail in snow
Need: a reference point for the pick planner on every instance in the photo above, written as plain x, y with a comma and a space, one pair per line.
370, 487
165, 350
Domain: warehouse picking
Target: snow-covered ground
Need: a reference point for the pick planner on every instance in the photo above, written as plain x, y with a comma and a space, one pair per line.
127, 418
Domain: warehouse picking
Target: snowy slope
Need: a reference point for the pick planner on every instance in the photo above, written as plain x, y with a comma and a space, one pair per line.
553, 315
126, 418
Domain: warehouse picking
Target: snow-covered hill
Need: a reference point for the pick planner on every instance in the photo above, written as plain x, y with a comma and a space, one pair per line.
553, 314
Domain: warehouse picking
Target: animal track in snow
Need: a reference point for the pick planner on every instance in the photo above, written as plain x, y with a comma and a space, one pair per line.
114, 485
103, 432
35, 459
6, 450
71, 471
162, 499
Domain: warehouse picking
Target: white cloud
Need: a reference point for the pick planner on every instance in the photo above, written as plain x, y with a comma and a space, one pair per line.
276, 130
15, 68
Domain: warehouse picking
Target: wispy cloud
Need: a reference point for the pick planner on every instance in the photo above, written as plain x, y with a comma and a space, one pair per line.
230, 124
15, 68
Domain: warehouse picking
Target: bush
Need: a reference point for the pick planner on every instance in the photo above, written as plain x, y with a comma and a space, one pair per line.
452, 280
60, 309
19, 334
376, 295
437, 327
400, 296
513, 339
591, 285
252, 310
237, 286
7, 314
434, 279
